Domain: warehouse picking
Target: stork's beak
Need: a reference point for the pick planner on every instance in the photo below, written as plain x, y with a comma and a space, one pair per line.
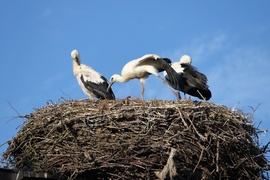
77, 61
110, 85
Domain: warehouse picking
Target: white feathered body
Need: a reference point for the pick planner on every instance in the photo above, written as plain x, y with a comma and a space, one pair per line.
92, 83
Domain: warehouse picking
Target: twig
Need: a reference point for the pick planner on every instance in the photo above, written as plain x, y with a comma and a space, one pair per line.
14, 109
198, 160
217, 155
64, 93
181, 116
201, 95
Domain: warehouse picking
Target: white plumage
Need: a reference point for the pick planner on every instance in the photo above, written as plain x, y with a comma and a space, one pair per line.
141, 68
92, 83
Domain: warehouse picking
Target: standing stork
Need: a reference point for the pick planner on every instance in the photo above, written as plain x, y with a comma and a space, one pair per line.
92, 83
190, 80
142, 67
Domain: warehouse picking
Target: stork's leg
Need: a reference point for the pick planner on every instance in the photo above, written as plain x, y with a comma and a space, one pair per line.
174, 92
179, 96
142, 90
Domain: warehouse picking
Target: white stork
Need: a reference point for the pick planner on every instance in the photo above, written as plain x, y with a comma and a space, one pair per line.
142, 67
92, 83
190, 80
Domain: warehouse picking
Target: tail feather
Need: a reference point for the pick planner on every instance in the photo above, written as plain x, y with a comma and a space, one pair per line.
199, 93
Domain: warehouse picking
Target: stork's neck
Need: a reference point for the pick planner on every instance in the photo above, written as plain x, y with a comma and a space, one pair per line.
76, 68
120, 78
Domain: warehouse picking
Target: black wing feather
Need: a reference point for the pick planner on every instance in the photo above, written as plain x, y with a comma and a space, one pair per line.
174, 79
99, 90
191, 81
194, 78
191, 70
195, 82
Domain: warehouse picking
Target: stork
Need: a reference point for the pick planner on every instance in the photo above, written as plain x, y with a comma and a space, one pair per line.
142, 67
190, 80
92, 83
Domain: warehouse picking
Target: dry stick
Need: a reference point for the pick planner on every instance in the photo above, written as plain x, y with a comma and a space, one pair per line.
65, 93
180, 113
169, 168
201, 95
15, 110
199, 160
217, 155
201, 136
20, 116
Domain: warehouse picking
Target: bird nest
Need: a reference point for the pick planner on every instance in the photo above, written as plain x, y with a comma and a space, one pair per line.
133, 139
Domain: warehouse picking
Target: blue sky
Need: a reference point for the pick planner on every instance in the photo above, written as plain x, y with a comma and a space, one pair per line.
228, 41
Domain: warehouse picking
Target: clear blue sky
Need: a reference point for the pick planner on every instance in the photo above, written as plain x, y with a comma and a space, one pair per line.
229, 41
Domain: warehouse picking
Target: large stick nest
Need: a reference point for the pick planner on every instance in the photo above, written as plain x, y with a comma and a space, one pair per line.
139, 140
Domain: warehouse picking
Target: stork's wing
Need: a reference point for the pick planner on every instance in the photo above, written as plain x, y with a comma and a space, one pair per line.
173, 77
98, 89
151, 59
95, 83
194, 77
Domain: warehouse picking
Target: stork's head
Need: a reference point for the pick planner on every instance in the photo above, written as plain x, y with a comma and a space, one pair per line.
75, 56
116, 78
185, 59
112, 81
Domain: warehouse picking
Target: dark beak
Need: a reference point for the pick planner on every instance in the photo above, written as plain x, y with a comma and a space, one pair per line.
77, 61
110, 85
